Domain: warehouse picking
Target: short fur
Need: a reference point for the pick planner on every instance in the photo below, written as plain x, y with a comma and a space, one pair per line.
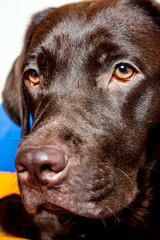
109, 130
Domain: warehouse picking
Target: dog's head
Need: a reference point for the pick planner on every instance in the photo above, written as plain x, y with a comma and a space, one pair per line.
89, 73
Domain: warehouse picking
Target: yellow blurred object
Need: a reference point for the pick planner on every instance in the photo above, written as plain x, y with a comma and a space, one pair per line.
8, 184
3, 237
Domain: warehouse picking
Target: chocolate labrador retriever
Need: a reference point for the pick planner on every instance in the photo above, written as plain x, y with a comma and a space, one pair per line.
89, 73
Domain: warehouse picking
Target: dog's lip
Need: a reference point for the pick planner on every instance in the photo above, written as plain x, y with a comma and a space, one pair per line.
52, 208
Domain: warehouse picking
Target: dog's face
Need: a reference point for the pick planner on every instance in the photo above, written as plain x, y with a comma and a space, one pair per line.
89, 75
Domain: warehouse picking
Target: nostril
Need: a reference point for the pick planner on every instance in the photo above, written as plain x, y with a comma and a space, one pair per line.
51, 159
25, 175
46, 167
21, 168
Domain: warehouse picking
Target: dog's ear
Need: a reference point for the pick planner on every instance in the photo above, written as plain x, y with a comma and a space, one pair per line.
153, 9
14, 98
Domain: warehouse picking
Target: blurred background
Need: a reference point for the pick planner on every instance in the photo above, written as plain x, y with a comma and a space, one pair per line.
15, 16
14, 19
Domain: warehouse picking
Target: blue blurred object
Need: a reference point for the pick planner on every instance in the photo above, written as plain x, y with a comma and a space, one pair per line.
10, 135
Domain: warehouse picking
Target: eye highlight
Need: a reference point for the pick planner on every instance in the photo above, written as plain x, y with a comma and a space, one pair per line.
123, 72
32, 76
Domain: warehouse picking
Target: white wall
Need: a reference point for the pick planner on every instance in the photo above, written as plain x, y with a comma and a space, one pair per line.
14, 18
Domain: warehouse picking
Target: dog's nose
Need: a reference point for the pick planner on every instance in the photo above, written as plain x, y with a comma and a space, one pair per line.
41, 166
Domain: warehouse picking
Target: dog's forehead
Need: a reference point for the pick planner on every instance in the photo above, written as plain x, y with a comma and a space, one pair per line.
120, 22
77, 19
76, 22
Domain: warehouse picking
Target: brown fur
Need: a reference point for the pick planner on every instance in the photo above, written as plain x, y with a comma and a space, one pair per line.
110, 132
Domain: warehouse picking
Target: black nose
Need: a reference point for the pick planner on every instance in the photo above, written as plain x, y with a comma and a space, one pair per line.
41, 166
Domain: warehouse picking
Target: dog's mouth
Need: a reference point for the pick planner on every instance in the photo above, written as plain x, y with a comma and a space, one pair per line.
54, 209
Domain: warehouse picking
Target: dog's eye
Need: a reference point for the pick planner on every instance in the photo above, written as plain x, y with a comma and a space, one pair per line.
32, 76
123, 72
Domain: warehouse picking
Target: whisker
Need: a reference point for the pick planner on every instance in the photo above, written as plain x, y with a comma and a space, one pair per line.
68, 220
125, 175
103, 221
153, 169
117, 218
11, 140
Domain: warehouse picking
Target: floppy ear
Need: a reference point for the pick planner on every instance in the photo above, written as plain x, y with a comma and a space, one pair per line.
153, 8
156, 12
14, 98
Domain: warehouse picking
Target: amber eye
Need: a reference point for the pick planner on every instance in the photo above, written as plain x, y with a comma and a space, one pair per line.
123, 72
32, 76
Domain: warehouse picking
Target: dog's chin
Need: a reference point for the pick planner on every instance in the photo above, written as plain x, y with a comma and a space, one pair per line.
89, 209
